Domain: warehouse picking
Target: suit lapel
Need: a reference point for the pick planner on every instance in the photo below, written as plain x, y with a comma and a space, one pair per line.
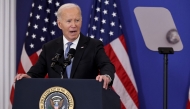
81, 46
60, 45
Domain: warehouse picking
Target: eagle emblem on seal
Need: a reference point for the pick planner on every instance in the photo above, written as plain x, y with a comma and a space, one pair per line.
57, 102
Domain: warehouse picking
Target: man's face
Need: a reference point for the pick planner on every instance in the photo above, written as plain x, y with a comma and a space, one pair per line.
70, 23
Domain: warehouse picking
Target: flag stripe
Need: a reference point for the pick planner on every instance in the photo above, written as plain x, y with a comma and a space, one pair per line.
122, 39
122, 106
189, 94
25, 60
34, 58
120, 71
188, 101
124, 96
20, 68
122, 55
39, 51
124, 68
188, 104
12, 94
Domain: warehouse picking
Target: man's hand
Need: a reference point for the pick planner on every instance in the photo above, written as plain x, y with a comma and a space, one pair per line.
105, 78
20, 76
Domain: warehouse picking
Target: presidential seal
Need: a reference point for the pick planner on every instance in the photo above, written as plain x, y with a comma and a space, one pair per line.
56, 98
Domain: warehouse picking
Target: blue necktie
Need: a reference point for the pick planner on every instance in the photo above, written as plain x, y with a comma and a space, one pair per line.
68, 68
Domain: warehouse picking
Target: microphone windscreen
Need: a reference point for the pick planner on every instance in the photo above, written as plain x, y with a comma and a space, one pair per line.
60, 52
72, 51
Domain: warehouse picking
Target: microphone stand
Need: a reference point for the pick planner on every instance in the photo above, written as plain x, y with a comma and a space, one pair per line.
165, 51
63, 69
63, 65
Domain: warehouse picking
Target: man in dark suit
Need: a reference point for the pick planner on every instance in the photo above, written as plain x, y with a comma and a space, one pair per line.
90, 60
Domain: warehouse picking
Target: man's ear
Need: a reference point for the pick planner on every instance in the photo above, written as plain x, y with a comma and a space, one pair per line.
59, 24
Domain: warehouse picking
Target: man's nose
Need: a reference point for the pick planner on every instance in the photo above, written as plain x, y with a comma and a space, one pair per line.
73, 24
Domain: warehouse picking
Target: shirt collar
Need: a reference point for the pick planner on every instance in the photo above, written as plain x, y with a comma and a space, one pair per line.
75, 42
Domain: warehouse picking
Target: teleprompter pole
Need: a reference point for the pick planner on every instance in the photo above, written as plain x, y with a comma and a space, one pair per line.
165, 51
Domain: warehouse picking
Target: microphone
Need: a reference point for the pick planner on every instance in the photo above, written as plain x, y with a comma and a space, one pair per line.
58, 55
70, 55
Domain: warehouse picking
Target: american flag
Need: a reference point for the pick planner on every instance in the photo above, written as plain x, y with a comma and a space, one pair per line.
188, 101
42, 27
105, 25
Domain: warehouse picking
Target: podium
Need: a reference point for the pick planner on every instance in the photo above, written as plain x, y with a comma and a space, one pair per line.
81, 93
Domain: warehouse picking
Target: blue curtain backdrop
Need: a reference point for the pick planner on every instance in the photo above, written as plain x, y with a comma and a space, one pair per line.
147, 65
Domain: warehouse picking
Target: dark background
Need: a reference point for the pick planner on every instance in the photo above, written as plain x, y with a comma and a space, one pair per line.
147, 65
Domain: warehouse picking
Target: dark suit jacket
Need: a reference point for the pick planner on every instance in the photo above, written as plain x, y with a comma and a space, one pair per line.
90, 59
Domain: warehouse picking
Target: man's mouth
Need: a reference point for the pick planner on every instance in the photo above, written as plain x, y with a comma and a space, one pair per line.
73, 31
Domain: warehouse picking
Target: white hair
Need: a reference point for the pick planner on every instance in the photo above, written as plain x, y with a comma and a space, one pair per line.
66, 6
